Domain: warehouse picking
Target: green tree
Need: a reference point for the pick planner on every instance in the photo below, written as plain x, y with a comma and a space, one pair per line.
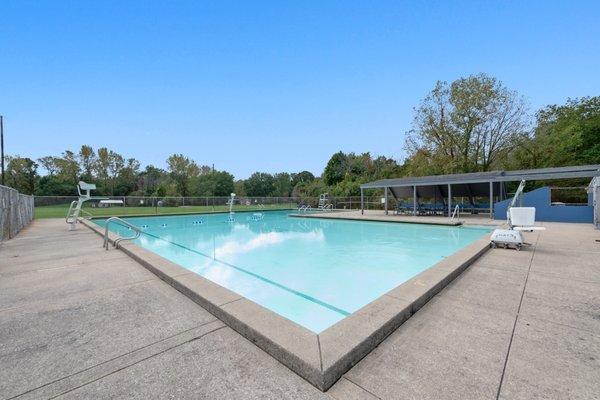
218, 183
223, 183
126, 180
564, 135
182, 170
21, 174
68, 167
101, 167
303, 176
52, 185
149, 180
384, 168
466, 126
310, 189
336, 168
87, 160
282, 183
238, 188
49, 164
259, 184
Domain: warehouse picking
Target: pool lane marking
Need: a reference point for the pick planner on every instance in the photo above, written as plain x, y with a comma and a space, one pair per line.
262, 278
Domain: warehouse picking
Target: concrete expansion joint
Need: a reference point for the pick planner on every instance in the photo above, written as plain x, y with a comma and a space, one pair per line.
201, 336
575, 328
134, 363
75, 295
320, 353
64, 378
512, 335
229, 302
362, 388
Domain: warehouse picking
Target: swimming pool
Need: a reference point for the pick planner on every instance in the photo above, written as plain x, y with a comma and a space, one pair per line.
312, 271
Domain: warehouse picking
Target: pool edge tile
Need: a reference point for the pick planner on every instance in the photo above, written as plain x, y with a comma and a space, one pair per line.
291, 344
421, 288
349, 340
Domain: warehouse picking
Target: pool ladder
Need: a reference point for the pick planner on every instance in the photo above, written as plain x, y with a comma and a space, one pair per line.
455, 214
124, 223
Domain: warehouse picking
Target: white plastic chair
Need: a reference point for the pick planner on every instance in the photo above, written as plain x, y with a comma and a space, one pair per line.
523, 219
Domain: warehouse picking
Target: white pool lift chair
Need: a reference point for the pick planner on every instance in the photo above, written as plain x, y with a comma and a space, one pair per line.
519, 219
523, 219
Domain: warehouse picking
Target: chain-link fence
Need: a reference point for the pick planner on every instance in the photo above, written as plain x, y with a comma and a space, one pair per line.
16, 211
57, 206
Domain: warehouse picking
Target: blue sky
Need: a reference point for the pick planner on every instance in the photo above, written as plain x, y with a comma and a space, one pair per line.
270, 86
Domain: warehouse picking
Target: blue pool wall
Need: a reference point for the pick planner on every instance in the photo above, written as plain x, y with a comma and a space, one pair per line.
544, 211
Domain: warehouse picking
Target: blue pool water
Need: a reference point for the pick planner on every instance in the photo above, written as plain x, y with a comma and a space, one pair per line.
312, 271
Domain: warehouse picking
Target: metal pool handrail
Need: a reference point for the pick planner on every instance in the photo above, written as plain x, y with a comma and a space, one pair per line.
69, 218
137, 230
455, 213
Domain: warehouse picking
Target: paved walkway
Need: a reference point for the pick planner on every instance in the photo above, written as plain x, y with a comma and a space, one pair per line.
80, 322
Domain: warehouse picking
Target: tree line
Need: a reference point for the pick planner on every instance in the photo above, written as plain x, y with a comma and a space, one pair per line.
472, 124
115, 175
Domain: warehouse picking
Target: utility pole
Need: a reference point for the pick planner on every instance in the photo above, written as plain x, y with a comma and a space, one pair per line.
2, 145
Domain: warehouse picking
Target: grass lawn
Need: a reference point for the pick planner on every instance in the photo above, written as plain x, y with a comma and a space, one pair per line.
60, 211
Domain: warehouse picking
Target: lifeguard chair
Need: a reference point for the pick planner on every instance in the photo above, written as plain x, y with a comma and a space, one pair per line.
83, 189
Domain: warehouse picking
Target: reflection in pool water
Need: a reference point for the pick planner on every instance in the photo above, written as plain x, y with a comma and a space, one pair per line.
311, 271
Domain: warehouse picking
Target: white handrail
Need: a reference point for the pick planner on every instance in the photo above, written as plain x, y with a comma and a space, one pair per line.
518, 193
455, 213
120, 239
87, 213
69, 216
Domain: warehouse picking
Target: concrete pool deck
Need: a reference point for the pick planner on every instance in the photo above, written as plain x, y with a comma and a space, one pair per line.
78, 321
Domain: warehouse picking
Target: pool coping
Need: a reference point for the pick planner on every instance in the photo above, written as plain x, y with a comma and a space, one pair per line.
329, 215
321, 358
183, 213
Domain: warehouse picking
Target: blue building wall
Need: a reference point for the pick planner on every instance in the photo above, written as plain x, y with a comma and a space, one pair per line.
540, 199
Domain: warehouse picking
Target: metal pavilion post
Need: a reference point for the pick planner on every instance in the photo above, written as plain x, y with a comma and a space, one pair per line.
449, 201
491, 200
386, 200
414, 200
362, 201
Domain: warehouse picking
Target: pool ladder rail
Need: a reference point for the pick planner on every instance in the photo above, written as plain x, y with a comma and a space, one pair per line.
304, 208
124, 223
455, 214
